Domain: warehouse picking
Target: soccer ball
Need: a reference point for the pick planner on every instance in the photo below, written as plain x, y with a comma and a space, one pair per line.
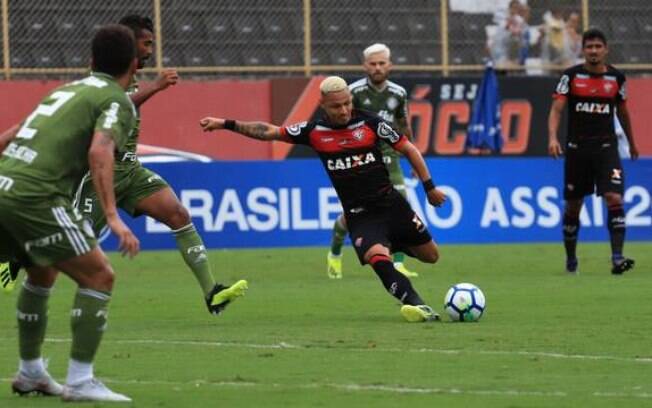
464, 302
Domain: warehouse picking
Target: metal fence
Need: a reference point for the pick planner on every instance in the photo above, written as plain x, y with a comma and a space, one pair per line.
302, 37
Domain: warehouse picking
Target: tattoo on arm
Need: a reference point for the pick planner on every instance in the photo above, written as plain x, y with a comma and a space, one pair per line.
257, 130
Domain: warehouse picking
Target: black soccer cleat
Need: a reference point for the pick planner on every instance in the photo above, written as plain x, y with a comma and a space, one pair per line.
220, 296
622, 265
571, 265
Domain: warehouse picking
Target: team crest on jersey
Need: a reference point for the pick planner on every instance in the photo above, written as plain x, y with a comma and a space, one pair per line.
358, 134
392, 103
607, 86
295, 130
386, 132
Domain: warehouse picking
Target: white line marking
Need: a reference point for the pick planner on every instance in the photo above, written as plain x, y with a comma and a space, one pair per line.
284, 345
369, 388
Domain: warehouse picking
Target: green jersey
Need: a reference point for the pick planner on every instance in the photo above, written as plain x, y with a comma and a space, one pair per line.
389, 103
126, 157
49, 155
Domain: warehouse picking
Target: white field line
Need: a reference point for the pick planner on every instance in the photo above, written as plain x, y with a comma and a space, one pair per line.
284, 346
369, 388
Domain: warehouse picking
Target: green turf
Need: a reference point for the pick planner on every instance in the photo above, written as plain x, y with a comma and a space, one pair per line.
298, 339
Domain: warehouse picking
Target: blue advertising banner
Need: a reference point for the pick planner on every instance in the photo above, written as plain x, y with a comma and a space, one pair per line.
291, 203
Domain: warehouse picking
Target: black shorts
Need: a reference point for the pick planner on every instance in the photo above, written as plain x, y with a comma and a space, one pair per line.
593, 165
392, 224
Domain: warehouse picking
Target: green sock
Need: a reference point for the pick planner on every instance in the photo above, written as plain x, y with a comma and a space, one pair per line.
399, 257
194, 254
88, 321
339, 235
32, 314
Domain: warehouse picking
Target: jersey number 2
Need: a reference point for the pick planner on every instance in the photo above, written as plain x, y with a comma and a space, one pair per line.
60, 97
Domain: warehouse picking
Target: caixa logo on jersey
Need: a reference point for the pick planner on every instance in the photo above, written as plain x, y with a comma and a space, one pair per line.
592, 107
350, 162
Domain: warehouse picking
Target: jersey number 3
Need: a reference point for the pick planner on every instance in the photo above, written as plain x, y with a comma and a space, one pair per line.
60, 97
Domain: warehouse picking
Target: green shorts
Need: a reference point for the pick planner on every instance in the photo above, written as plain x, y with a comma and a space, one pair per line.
132, 184
43, 233
392, 162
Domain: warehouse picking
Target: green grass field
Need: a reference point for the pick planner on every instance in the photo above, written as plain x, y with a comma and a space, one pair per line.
298, 339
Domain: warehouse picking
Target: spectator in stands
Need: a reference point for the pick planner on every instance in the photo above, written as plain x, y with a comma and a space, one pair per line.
510, 39
574, 36
561, 42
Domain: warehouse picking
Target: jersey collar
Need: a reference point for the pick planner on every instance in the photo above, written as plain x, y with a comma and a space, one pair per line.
375, 88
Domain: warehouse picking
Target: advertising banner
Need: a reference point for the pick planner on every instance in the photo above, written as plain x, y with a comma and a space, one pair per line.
291, 203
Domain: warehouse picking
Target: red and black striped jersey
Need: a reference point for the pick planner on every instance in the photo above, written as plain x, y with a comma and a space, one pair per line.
592, 101
351, 155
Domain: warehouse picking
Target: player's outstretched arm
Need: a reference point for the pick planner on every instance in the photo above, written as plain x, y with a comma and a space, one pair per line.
100, 158
554, 118
254, 130
623, 118
436, 197
166, 78
7, 136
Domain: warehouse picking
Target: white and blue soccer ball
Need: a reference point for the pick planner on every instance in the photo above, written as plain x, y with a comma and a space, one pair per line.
464, 302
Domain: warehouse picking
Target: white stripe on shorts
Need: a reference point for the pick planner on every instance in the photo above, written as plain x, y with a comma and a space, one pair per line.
75, 237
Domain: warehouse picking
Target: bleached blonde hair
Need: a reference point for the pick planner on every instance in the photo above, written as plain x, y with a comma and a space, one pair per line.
375, 49
332, 84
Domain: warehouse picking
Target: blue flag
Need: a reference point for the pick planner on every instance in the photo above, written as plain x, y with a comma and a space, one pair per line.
483, 133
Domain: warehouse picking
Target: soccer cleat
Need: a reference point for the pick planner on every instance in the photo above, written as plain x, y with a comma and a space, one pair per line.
220, 296
43, 385
571, 266
402, 269
622, 265
92, 390
419, 313
334, 266
8, 275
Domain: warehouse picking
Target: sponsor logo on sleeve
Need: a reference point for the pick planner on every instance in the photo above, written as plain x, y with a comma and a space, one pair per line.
386, 132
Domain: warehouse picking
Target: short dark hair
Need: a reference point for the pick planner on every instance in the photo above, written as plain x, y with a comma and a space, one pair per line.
593, 34
137, 24
114, 48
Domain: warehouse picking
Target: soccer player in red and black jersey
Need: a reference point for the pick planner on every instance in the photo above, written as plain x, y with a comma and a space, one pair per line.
592, 92
380, 220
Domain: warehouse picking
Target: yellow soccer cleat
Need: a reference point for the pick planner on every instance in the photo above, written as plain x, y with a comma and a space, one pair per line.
222, 295
334, 266
419, 313
8, 276
407, 273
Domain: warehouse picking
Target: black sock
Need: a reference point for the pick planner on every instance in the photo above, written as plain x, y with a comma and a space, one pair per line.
395, 282
571, 229
616, 225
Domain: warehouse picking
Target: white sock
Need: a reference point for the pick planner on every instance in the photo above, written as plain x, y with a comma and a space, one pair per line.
32, 368
79, 372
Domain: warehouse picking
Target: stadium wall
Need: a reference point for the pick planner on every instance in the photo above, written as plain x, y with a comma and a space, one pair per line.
440, 109
291, 203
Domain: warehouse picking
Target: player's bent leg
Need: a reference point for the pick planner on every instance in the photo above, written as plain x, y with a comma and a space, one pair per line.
334, 256
164, 206
414, 308
32, 376
617, 228
428, 252
95, 278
